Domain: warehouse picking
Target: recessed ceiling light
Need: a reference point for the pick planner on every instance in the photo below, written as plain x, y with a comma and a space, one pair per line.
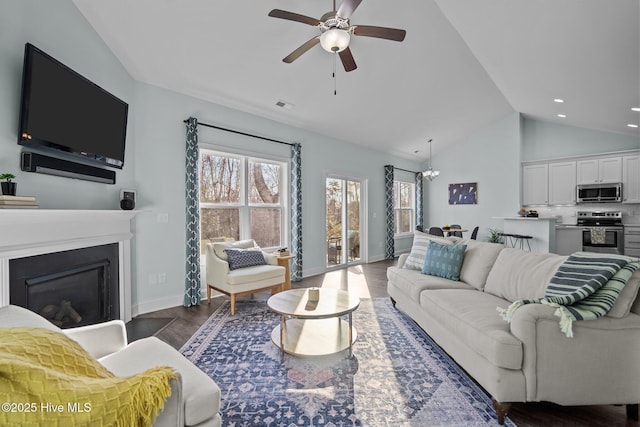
635, 109
558, 100
631, 125
562, 116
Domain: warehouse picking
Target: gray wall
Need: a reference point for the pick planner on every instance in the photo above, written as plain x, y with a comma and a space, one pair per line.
154, 163
491, 158
546, 140
155, 150
159, 147
58, 28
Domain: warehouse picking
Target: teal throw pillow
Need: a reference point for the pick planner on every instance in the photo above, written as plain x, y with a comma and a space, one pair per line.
444, 260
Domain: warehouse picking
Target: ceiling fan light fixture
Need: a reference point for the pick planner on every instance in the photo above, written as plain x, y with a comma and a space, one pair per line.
335, 40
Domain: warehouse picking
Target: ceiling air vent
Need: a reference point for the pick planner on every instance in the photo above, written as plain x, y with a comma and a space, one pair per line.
284, 104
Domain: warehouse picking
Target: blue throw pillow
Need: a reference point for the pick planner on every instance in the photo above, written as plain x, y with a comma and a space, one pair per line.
238, 258
444, 260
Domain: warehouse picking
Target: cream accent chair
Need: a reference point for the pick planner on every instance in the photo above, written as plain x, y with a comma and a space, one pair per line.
195, 398
242, 281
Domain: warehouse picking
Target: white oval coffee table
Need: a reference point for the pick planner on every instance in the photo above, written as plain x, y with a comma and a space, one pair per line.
314, 328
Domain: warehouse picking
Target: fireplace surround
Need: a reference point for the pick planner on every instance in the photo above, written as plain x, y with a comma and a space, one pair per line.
27, 233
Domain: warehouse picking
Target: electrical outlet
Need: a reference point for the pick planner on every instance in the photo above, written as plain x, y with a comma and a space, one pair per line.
163, 218
162, 278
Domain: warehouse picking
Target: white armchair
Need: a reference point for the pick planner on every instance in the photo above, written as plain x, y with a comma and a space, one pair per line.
242, 281
195, 398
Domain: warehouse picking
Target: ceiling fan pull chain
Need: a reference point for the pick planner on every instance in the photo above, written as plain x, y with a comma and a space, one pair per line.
335, 89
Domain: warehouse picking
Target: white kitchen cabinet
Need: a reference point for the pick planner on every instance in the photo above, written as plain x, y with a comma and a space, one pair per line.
568, 240
535, 184
599, 171
562, 183
632, 240
631, 179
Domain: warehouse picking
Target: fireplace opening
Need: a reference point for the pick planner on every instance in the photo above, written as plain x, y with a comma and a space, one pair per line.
70, 288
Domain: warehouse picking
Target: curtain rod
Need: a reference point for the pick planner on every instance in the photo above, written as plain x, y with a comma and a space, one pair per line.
406, 170
242, 133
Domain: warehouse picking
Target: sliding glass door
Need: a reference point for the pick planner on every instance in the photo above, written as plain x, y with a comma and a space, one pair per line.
345, 225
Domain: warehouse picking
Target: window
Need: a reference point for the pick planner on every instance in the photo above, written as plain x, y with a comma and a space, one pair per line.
404, 206
241, 197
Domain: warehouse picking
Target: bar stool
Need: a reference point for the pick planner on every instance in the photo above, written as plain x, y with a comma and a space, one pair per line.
517, 240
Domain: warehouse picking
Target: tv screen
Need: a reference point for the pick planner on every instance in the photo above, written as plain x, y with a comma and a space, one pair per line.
64, 112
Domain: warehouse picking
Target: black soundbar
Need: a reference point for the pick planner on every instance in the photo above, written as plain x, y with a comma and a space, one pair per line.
32, 162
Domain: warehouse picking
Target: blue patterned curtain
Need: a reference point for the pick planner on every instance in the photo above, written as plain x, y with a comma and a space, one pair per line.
388, 200
192, 279
419, 197
296, 212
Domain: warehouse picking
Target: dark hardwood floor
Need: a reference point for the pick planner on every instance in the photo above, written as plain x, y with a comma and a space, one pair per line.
369, 281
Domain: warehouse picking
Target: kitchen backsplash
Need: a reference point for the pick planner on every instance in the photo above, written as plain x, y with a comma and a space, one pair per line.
567, 214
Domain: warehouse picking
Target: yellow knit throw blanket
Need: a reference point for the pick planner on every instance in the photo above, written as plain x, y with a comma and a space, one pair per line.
47, 379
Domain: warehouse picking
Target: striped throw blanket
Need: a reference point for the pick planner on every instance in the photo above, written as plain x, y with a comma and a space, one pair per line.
585, 287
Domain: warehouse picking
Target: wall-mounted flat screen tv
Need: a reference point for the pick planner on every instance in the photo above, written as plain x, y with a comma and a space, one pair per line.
61, 111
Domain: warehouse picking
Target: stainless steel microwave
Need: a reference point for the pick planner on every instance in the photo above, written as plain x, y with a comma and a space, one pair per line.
599, 193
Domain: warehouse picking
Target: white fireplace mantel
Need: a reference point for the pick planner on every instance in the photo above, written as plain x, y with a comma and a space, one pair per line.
29, 232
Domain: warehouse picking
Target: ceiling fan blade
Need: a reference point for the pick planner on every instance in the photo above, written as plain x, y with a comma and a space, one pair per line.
302, 49
347, 8
283, 14
379, 32
347, 60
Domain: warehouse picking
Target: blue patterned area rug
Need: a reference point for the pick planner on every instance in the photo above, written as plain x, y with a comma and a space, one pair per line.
397, 376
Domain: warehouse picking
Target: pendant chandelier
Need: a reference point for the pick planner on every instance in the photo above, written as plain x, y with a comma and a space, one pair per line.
430, 174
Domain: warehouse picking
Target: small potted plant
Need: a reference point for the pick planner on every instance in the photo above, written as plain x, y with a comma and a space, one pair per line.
494, 236
8, 187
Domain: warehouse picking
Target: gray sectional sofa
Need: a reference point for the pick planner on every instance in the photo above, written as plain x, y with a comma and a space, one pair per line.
527, 359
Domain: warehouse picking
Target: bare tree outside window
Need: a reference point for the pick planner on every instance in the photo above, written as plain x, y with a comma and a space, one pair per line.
264, 190
240, 198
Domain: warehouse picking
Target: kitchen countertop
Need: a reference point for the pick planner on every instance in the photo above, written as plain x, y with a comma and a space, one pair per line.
528, 218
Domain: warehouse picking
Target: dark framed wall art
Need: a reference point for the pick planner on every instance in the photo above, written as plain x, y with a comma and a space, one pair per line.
463, 194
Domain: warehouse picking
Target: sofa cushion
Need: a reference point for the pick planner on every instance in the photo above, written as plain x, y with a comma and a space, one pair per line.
519, 274
471, 316
242, 258
219, 247
625, 300
415, 260
478, 261
201, 395
444, 260
411, 282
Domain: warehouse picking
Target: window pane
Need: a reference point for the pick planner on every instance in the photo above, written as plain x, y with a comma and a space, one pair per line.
405, 221
334, 208
405, 195
219, 225
264, 183
219, 179
265, 226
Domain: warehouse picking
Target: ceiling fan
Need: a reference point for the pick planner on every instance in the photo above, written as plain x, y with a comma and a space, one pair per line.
336, 31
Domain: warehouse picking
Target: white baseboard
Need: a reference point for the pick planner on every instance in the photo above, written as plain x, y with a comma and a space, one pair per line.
177, 300
376, 258
163, 303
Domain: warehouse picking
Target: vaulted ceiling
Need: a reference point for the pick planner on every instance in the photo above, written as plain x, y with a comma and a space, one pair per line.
462, 65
